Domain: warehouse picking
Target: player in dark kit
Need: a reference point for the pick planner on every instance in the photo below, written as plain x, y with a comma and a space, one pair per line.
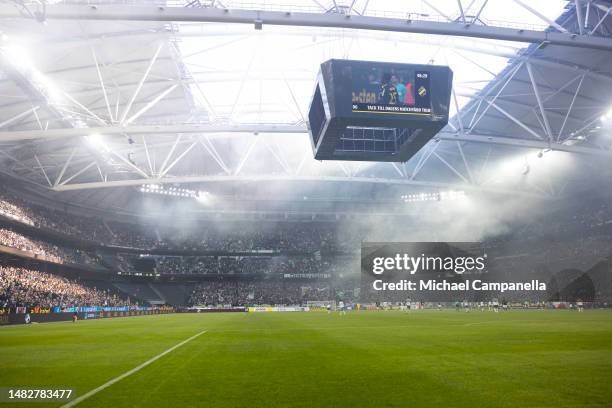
388, 93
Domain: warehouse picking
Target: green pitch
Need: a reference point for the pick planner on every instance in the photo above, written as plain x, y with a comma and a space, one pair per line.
362, 359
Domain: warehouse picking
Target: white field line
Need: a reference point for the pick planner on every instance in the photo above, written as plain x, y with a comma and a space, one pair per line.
128, 373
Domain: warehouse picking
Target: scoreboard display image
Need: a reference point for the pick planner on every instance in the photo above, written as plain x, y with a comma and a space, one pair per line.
376, 111
391, 91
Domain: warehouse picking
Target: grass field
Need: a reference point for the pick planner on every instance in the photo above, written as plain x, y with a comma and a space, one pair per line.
362, 359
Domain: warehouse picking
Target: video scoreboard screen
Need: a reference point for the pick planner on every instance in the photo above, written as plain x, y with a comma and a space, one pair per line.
377, 111
390, 90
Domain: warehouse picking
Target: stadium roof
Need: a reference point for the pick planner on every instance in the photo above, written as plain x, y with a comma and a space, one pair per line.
101, 99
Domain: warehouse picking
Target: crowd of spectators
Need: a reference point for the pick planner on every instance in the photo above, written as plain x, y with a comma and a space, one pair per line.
70, 224
556, 240
268, 292
11, 210
327, 238
238, 265
303, 237
285, 237
44, 250
178, 265
28, 287
562, 236
15, 240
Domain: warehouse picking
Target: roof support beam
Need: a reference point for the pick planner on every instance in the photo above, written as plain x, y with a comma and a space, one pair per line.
102, 86
78, 173
141, 83
178, 159
587, 15
450, 166
503, 84
423, 159
601, 20
170, 153
210, 148
540, 104
222, 131
515, 120
290, 178
41, 167
245, 157
461, 12
398, 169
465, 162
214, 15
146, 149
66, 164
18, 116
571, 106
437, 10
130, 164
541, 16
148, 129
477, 16
151, 104
579, 17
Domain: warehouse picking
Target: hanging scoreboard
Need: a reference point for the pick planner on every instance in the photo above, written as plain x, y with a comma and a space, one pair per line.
376, 111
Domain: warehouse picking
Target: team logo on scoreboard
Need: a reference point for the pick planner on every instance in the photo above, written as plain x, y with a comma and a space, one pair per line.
422, 91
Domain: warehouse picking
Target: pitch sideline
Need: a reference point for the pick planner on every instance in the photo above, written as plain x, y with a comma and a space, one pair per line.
128, 373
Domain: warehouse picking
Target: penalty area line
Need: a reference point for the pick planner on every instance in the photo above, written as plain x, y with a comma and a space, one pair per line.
128, 373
